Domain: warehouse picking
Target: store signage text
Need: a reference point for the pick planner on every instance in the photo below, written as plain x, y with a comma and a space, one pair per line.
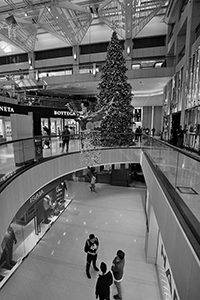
63, 113
8, 175
7, 109
59, 193
169, 275
36, 196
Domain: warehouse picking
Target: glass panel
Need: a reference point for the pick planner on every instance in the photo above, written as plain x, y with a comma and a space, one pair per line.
30, 224
179, 169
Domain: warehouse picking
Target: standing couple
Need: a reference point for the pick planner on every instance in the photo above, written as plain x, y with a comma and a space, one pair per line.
105, 279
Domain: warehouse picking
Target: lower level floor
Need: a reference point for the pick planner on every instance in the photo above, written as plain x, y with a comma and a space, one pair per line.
55, 268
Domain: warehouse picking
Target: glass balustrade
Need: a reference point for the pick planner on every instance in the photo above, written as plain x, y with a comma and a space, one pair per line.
182, 170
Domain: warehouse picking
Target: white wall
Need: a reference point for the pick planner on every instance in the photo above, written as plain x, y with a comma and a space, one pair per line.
183, 261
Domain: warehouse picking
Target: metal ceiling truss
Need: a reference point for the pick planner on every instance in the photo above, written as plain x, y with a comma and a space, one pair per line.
69, 22
16, 30
77, 21
49, 22
112, 13
142, 13
20, 35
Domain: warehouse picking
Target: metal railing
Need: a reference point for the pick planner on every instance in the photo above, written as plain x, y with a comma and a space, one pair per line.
175, 169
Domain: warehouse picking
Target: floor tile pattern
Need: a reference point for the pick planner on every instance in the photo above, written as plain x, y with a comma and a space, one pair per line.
55, 269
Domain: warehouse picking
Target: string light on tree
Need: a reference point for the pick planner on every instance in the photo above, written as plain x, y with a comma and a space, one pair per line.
115, 96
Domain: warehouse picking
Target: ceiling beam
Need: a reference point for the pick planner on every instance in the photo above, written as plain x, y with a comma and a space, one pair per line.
105, 3
128, 19
63, 25
72, 6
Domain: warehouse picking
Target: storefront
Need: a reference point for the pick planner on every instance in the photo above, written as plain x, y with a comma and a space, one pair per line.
42, 116
32, 221
5, 127
57, 125
172, 105
166, 127
167, 283
157, 255
192, 113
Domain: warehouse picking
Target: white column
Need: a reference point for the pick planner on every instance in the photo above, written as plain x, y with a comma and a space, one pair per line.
152, 117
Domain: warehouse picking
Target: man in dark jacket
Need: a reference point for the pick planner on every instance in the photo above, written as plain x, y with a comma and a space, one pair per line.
118, 272
65, 138
91, 247
103, 283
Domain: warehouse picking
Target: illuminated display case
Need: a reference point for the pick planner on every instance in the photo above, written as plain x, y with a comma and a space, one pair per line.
172, 102
166, 112
192, 122
192, 113
176, 92
192, 79
173, 94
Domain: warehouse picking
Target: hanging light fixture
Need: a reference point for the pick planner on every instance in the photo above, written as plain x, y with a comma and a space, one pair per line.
94, 69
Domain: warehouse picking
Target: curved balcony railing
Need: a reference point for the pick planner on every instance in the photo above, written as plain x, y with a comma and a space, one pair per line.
180, 168
176, 167
179, 171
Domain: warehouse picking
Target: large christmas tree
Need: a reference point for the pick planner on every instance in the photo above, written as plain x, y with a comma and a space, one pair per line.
115, 98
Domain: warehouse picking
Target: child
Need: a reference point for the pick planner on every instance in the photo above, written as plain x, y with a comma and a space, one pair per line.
92, 184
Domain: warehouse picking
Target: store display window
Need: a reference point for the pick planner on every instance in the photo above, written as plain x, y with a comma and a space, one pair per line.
8, 128
30, 224
1, 129
192, 129
192, 79
167, 283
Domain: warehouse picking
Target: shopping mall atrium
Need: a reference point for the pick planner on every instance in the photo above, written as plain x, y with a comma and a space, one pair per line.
103, 90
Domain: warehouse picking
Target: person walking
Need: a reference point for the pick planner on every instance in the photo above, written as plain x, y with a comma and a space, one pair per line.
91, 248
104, 281
180, 137
153, 131
65, 138
139, 134
46, 133
118, 272
92, 183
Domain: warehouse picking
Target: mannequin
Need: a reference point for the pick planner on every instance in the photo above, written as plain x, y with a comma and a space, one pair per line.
7, 247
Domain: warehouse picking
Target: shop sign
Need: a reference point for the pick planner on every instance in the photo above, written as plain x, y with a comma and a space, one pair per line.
59, 193
8, 175
7, 109
164, 263
64, 113
45, 112
36, 196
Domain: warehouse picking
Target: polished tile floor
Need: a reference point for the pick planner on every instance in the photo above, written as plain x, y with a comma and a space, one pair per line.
55, 269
